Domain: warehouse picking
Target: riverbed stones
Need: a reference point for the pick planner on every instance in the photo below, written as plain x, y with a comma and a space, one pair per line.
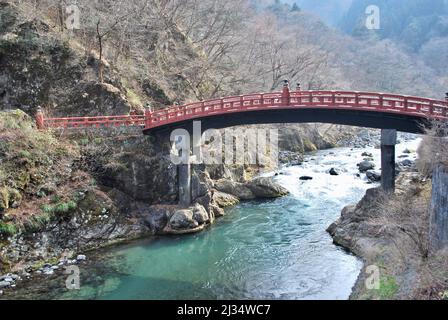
407, 163
365, 166
373, 176
81, 257
334, 172
4, 284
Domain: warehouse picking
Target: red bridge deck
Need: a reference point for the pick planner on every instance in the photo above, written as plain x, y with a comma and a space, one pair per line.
338, 100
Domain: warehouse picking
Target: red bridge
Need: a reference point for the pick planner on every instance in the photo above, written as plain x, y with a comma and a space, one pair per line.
366, 109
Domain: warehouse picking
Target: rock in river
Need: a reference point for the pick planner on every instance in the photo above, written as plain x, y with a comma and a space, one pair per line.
306, 178
366, 166
373, 176
239, 190
334, 172
266, 188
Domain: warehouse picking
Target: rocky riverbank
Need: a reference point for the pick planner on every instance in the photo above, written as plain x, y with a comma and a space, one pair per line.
390, 234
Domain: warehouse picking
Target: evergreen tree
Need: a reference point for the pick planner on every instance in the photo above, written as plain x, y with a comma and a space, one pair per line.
295, 7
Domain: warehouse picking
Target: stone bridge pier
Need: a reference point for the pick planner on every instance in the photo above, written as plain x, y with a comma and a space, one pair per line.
184, 181
388, 142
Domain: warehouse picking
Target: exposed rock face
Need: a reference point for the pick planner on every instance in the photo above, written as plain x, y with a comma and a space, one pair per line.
347, 230
134, 164
95, 222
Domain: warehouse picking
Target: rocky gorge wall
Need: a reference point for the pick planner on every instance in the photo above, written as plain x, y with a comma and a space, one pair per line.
64, 193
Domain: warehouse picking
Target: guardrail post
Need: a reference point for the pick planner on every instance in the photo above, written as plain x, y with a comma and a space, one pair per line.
148, 113
40, 121
286, 94
388, 142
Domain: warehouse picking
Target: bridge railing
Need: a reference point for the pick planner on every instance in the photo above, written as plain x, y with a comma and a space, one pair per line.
96, 122
346, 100
366, 101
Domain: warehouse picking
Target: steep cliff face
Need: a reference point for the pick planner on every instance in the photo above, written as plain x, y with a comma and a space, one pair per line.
43, 67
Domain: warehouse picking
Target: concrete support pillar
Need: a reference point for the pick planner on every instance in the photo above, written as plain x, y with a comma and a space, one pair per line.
388, 142
438, 229
184, 176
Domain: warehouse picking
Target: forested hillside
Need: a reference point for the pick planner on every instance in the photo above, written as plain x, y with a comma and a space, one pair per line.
124, 55
412, 23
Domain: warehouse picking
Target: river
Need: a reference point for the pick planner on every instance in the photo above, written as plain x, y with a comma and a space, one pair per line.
275, 249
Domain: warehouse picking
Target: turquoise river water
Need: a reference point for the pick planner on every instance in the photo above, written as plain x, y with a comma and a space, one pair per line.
274, 249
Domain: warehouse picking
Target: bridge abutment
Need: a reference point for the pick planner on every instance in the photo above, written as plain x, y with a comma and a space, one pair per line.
439, 209
388, 142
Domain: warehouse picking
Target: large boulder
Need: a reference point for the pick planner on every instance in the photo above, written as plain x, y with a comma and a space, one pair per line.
156, 218
200, 214
224, 199
237, 189
183, 219
366, 166
266, 188
217, 211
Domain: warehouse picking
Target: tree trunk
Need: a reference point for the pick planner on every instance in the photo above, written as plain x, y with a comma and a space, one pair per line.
100, 44
438, 230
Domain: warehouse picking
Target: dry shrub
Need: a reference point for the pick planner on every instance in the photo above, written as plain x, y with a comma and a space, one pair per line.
405, 221
433, 150
433, 282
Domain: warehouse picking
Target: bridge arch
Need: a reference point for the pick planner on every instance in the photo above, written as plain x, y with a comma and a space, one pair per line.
364, 109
